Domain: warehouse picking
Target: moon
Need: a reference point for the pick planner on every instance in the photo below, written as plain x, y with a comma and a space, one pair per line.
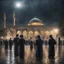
18, 4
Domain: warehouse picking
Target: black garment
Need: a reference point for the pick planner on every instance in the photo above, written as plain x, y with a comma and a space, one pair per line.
59, 42
31, 45
16, 46
21, 43
39, 51
10, 44
6, 44
51, 43
0, 42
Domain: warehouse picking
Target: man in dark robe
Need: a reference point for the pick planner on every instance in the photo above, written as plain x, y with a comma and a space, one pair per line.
16, 45
0, 42
21, 43
31, 44
51, 43
6, 44
39, 51
10, 43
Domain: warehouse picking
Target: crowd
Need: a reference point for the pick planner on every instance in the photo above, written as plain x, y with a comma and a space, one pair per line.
19, 45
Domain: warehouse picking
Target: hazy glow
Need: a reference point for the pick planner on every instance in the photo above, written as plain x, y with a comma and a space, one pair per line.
47, 33
36, 24
19, 32
19, 4
56, 30
36, 33
2, 37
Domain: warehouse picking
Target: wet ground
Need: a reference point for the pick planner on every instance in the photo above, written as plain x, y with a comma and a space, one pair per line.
7, 56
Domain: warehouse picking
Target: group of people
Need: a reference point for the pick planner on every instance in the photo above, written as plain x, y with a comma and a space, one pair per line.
19, 45
10, 43
38, 43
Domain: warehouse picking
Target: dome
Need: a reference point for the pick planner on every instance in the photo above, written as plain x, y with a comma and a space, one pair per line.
35, 22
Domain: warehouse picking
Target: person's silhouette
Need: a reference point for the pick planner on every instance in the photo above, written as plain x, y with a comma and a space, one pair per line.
6, 44
31, 44
39, 51
51, 43
21, 43
59, 41
16, 45
10, 43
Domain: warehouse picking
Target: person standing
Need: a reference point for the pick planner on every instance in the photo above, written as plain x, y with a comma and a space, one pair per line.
10, 43
31, 44
6, 44
16, 45
21, 43
0, 42
51, 43
39, 51
59, 41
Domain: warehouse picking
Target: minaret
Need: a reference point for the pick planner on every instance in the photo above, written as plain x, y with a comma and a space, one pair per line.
4, 20
14, 19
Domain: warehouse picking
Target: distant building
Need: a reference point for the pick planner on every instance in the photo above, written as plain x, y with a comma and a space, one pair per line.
34, 27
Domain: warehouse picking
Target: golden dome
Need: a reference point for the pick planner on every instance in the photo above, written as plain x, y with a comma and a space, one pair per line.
35, 22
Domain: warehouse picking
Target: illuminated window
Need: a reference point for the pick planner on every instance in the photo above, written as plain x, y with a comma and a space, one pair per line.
36, 33
30, 34
35, 24
19, 32
25, 34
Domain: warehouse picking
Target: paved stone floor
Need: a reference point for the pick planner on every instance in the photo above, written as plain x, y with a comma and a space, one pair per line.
7, 57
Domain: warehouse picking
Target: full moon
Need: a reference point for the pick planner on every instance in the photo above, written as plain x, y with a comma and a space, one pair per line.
18, 4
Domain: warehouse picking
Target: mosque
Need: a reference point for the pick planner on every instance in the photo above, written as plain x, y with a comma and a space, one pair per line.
34, 27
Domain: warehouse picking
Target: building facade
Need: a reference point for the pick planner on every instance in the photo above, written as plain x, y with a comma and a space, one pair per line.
34, 27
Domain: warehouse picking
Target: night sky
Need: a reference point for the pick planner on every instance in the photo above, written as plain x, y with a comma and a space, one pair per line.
49, 11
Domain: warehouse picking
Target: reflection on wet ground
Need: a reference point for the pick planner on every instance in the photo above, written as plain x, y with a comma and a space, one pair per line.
7, 57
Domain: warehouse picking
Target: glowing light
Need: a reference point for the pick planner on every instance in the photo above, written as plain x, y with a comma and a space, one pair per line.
47, 33
35, 24
19, 32
25, 34
19, 4
56, 30
36, 33
2, 37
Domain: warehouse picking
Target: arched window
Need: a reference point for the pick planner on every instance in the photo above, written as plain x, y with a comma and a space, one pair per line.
30, 34
25, 34
36, 33
19, 33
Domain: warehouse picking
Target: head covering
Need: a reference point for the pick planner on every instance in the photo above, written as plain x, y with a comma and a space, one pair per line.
10, 38
51, 36
17, 35
38, 36
21, 36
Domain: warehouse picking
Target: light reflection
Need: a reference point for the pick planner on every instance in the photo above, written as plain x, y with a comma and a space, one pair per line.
30, 56
2, 53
